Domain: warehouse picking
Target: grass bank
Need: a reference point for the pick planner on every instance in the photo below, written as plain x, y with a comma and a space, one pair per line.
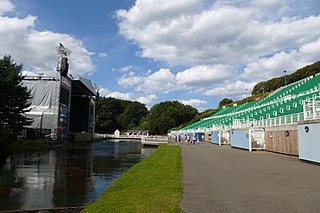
153, 185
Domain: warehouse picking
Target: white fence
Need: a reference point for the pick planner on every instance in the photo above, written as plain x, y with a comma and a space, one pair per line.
276, 121
154, 140
311, 108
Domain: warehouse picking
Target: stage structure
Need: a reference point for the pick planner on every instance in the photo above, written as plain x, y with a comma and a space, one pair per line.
82, 109
62, 107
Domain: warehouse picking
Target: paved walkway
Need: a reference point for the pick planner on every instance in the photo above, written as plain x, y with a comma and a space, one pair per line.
224, 179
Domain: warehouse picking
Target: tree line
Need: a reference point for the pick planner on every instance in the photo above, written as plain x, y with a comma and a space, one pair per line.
275, 83
113, 114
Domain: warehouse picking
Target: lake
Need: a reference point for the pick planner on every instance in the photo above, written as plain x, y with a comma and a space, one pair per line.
69, 176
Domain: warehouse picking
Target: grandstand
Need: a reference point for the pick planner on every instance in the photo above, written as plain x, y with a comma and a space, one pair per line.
283, 106
286, 121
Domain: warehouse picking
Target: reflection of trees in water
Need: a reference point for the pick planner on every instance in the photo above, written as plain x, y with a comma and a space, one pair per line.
8, 183
26, 181
73, 175
67, 176
8, 179
75, 171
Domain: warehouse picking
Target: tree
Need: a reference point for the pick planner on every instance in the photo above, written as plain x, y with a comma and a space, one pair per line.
113, 114
225, 101
275, 83
166, 115
132, 115
13, 101
107, 113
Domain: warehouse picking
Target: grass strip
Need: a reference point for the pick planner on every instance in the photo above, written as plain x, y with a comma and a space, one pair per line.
153, 185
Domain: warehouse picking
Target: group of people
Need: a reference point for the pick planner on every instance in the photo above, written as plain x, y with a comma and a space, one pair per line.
188, 139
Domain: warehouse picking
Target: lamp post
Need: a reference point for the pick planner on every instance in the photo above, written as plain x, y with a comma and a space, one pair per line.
285, 77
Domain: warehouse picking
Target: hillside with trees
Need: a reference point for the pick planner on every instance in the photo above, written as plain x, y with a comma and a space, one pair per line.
275, 83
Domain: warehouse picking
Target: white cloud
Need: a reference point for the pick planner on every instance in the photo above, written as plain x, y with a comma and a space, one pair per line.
120, 95
227, 45
165, 81
310, 50
160, 81
234, 33
103, 55
126, 69
197, 103
103, 92
273, 66
36, 50
269, 7
6, 6
234, 89
146, 99
156, 10
203, 75
129, 81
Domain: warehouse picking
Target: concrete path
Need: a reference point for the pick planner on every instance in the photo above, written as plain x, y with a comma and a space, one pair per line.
224, 179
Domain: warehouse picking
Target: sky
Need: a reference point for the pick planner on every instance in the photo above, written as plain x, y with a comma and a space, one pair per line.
194, 51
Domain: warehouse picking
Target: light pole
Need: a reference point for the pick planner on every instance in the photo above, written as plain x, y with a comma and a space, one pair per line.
285, 77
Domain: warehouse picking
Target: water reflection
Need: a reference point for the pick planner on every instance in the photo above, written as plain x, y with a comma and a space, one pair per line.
68, 176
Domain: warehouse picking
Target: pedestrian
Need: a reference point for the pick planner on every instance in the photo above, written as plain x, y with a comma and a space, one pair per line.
194, 139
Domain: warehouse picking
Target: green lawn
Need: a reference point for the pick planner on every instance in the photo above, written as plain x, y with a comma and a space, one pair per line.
153, 185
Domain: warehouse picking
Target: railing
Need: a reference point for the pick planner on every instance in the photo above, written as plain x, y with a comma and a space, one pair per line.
276, 121
154, 140
311, 108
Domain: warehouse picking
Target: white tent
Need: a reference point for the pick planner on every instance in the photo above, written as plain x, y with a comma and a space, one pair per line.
44, 108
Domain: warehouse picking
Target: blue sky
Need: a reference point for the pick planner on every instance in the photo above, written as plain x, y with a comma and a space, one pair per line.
194, 51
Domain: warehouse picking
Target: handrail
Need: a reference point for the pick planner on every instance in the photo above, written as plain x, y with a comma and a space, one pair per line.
154, 139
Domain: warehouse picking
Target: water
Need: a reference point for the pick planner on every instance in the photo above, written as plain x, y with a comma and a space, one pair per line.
65, 177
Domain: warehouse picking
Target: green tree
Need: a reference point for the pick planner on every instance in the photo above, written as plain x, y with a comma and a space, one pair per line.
166, 115
275, 83
132, 115
13, 102
113, 114
225, 101
108, 111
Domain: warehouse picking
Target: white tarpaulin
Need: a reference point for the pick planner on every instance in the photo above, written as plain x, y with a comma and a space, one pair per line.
44, 100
